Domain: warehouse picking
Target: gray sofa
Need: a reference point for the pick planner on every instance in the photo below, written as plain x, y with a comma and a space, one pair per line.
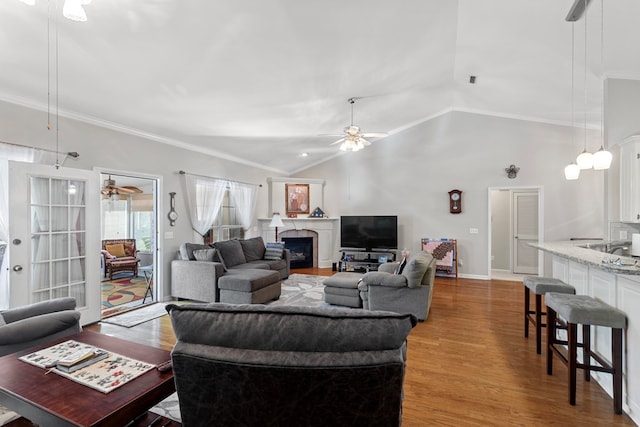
257, 365
37, 323
195, 275
408, 292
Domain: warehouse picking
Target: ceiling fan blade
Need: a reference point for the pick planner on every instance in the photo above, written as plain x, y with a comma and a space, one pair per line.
129, 189
331, 134
375, 134
338, 141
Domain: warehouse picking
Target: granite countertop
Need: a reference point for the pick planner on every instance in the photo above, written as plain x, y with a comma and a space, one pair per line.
573, 251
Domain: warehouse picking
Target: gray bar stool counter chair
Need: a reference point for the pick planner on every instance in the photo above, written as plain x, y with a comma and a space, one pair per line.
587, 311
540, 286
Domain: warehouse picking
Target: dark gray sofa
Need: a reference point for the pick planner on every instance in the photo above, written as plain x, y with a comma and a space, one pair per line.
257, 365
198, 280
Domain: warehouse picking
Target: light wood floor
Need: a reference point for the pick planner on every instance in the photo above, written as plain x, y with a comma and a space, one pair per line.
468, 364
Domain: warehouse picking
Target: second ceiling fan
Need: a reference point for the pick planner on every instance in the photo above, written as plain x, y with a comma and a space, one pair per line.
352, 138
111, 190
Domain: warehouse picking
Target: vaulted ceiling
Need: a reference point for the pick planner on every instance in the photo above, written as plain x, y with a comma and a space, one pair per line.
257, 81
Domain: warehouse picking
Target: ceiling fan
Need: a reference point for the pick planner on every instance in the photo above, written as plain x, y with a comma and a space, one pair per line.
352, 138
113, 191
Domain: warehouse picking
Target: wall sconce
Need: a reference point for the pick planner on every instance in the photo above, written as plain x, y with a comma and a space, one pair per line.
512, 171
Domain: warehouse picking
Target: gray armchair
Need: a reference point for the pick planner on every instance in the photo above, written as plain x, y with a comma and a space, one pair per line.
257, 365
38, 323
408, 292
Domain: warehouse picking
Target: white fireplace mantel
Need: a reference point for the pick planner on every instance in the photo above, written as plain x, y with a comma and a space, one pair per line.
327, 229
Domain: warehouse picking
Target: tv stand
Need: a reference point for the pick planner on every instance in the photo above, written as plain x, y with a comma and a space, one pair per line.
362, 260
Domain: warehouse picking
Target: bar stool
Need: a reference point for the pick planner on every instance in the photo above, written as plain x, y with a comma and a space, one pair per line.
587, 311
540, 286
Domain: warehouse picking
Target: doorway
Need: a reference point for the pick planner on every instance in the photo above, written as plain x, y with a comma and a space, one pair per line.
515, 220
128, 211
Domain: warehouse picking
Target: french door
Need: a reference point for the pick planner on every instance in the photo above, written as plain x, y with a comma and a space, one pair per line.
54, 236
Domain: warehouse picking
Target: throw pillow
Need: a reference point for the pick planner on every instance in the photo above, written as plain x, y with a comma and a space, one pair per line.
117, 250
253, 248
274, 251
106, 254
401, 266
230, 252
204, 254
2, 322
186, 250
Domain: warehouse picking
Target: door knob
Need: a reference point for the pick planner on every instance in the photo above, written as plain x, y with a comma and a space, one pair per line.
16, 241
17, 268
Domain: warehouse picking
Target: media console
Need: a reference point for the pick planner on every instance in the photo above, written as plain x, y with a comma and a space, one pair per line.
361, 260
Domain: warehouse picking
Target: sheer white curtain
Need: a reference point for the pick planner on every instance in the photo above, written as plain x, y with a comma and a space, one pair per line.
245, 197
204, 199
21, 154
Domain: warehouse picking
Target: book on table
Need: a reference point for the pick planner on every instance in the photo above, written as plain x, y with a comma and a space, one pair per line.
82, 359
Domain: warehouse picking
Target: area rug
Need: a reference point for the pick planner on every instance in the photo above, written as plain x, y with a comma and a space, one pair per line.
122, 291
139, 315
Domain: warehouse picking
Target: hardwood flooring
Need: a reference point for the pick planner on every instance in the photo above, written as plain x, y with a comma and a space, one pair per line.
468, 364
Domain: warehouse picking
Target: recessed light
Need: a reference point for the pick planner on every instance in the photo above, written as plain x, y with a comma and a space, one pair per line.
304, 154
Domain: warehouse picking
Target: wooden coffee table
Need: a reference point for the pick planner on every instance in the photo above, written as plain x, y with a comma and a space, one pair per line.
53, 400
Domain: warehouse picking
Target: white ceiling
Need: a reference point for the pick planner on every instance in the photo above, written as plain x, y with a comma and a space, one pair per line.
258, 80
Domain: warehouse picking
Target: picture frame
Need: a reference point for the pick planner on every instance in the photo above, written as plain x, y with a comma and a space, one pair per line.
297, 198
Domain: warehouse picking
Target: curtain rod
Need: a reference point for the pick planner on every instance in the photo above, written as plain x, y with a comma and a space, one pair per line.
221, 179
73, 154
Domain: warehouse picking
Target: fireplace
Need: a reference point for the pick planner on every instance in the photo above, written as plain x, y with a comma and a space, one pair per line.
301, 249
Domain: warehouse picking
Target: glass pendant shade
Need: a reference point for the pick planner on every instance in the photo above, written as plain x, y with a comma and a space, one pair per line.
602, 159
585, 160
572, 172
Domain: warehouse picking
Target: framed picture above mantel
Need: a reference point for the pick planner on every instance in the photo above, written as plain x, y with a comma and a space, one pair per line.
297, 198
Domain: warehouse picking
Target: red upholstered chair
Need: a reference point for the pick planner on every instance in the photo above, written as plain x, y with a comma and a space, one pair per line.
119, 255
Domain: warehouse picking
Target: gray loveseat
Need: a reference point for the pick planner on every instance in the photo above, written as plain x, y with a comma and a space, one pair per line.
195, 275
257, 365
37, 323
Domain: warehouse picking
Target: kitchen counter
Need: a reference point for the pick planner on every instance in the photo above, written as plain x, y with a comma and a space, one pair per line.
573, 251
616, 285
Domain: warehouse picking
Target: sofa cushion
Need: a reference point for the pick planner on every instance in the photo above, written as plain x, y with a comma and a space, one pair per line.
204, 254
2, 322
274, 251
288, 328
416, 268
117, 250
253, 248
230, 253
186, 250
259, 265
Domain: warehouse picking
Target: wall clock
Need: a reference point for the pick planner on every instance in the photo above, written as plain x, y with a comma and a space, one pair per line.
455, 201
173, 215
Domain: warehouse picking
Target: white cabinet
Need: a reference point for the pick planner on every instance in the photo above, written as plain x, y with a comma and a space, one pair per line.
630, 179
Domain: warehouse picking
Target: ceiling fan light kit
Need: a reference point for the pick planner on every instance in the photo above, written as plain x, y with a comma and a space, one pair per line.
353, 139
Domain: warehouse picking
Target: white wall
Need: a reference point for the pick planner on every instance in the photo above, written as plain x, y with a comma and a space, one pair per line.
410, 173
104, 148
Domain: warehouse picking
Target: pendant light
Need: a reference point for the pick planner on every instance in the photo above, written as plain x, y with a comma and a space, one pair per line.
585, 159
572, 171
602, 158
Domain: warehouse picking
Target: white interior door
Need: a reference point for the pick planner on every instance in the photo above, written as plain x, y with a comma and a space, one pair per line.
525, 231
54, 236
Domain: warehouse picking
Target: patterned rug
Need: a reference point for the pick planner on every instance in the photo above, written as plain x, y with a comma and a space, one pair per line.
117, 293
298, 289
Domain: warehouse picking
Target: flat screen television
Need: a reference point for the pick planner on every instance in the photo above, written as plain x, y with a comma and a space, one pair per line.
369, 232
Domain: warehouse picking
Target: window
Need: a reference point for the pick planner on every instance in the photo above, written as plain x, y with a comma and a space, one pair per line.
226, 226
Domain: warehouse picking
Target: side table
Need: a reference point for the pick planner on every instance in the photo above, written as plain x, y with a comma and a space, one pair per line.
147, 270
